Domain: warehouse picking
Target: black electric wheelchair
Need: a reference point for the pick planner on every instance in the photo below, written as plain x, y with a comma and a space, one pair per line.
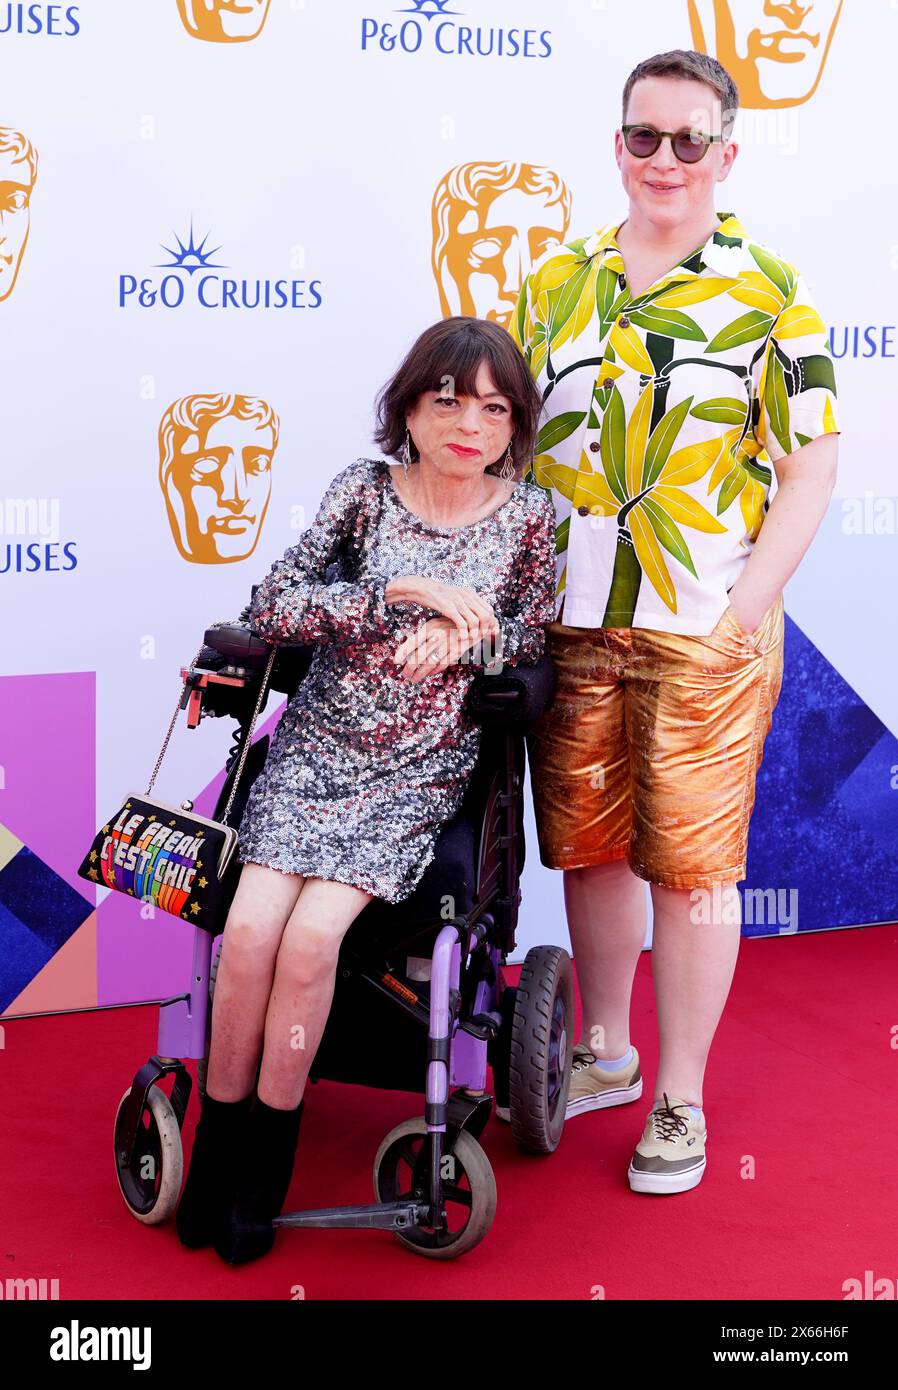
425, 984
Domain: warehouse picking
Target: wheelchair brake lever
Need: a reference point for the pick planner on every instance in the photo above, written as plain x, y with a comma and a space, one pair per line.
193, 682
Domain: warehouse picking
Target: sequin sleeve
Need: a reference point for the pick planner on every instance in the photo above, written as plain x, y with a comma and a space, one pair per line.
294, 604
522, 624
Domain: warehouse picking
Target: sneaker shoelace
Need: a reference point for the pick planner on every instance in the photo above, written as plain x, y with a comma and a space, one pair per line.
666, 1123
582, 1060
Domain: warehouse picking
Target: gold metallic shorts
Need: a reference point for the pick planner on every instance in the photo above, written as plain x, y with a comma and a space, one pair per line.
650, 748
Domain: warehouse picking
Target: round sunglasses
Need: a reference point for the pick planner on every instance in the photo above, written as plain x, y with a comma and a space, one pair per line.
689, 146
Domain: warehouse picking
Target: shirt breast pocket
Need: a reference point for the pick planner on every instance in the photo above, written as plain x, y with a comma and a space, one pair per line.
707, 402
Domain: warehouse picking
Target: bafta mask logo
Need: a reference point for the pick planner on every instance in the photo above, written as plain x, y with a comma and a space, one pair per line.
776, 52
223, 21
18, 173
490, 223
215, 456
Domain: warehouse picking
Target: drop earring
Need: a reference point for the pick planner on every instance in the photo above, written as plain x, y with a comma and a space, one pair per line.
506, 473
406, 452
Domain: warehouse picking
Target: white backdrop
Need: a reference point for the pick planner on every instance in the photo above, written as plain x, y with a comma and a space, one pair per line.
311, 153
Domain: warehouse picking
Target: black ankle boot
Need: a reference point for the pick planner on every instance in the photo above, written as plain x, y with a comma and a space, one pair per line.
216, 1159
247, 1232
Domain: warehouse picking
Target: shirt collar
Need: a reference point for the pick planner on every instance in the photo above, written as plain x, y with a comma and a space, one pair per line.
723, 253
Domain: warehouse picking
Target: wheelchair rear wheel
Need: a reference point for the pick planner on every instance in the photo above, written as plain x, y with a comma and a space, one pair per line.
402, 1170
540, 1055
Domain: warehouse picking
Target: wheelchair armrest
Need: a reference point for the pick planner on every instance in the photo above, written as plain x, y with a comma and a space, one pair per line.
233, 644
515, 698
235, 641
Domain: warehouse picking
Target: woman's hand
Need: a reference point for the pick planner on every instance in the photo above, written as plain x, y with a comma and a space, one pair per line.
473, 617
436, 644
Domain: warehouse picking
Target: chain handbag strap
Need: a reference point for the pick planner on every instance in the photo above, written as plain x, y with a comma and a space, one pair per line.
249, 736
171, 726
246, 743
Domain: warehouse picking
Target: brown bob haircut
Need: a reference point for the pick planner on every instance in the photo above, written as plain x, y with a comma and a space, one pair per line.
454, 348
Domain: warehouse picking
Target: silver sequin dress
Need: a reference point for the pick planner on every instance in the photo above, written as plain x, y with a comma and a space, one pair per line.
364, 768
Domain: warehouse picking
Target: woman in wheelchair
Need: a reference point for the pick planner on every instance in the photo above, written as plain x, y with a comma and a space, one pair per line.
452, 564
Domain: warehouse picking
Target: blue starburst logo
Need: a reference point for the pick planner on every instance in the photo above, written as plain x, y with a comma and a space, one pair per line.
190, 257
430, 9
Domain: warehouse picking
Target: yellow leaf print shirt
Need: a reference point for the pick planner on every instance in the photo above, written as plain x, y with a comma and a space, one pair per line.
662, 416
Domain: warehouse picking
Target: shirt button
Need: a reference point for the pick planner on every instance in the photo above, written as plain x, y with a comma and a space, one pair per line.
624, 321
608, 383
584, 510
594, 447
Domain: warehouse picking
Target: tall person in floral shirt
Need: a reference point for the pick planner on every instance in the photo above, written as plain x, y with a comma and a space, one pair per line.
681, 363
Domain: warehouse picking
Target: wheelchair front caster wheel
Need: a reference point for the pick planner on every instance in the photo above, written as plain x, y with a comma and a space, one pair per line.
402, 1171
151, 1183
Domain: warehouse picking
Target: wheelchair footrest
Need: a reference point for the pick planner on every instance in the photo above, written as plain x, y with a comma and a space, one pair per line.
383, 1216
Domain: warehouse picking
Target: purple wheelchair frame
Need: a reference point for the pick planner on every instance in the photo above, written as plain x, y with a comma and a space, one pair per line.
457, 1049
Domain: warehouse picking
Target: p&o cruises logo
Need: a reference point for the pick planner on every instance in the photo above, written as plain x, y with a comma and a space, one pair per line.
193, 277
436, 26
45, 20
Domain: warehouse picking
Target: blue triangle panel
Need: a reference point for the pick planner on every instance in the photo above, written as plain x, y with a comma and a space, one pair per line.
23, 956
825, 823
39, 911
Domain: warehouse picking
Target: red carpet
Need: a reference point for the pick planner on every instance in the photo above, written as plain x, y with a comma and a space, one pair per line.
801, 1081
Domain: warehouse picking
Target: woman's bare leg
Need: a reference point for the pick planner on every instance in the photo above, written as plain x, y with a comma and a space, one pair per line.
262, 905
304, 987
